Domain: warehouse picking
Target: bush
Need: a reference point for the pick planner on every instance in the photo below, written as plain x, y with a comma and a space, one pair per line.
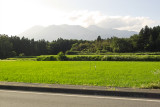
61, 57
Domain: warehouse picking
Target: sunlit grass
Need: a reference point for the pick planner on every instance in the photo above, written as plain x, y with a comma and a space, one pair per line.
98, 73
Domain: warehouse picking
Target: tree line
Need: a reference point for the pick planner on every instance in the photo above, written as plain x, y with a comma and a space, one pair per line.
148, 40
16, 46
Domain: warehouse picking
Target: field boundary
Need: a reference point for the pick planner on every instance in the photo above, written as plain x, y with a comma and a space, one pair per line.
87, 90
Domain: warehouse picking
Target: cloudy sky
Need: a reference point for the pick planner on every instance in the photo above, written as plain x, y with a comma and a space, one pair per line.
19, 15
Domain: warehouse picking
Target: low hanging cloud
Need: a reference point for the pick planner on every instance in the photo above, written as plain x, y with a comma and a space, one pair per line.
86, 18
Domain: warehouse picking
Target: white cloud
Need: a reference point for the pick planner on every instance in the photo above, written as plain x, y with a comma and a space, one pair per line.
86, 18
135, 23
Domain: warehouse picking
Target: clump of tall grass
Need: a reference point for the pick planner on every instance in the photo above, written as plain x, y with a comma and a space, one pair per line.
151, 86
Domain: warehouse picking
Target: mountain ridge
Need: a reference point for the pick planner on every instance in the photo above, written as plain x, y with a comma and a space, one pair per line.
53, 32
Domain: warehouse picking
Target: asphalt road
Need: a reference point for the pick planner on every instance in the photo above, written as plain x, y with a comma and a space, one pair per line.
10, 98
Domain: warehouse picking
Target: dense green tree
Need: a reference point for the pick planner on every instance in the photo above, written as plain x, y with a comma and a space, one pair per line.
121, 45
134, 41
157, 43
16, 41
5, 47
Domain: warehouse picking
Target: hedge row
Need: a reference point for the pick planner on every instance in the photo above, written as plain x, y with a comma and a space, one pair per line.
103, 58
48, 58
131, 58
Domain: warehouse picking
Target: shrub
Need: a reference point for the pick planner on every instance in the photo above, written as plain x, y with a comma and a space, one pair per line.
61, 57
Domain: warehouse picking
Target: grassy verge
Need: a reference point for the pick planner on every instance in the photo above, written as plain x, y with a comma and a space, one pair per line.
98, 73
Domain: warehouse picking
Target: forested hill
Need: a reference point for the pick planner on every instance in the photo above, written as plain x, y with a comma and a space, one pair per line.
148, 40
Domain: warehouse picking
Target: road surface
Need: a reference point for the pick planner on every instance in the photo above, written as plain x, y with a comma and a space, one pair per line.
10, 98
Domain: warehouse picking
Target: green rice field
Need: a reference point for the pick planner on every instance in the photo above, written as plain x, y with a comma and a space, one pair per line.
97, 73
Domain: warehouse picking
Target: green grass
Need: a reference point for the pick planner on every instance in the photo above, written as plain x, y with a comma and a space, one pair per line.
116, 74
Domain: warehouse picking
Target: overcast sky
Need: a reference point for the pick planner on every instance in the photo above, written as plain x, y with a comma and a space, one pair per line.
19, 15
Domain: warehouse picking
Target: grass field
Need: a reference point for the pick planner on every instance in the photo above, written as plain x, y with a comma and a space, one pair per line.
98, 73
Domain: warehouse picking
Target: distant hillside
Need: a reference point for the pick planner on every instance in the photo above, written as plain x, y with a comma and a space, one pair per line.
54, 32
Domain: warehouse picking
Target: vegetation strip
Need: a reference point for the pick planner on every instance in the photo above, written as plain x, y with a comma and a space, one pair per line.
62, 57
148, 40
